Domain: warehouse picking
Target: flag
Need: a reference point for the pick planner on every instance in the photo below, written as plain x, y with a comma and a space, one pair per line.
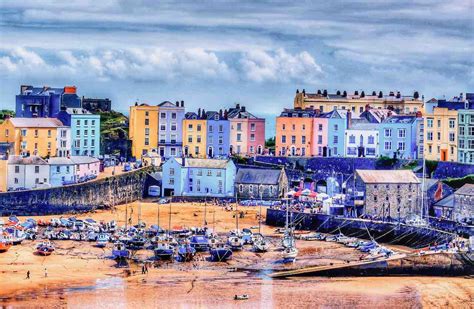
439, 192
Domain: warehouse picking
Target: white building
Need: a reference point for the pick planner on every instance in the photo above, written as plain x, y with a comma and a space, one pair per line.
362, 140
27, 173
63, 141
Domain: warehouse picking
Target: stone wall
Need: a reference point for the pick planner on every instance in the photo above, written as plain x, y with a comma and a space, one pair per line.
101, 193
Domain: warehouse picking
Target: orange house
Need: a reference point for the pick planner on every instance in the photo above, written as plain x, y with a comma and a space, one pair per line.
294, 130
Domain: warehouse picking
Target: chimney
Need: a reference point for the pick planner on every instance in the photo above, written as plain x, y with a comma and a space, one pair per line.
349, 119
243, 108
304, 92
237, 106
23, 88
182, 103
297, 91
177, 103
367, 107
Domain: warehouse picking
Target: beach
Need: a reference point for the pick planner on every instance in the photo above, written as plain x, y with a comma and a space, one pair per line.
80, 275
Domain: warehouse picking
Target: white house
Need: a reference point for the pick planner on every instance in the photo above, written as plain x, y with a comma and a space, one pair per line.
63, 141
198, 177
27, 172
362, 140
62, 171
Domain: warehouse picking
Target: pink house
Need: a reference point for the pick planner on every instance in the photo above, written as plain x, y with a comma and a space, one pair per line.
319, 142
247, 132
85, 166
256, 136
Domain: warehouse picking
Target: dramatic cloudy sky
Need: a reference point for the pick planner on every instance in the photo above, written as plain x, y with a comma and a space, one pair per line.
214, 53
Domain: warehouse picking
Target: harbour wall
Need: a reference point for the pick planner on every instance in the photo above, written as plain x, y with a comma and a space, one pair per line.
97, 194
412, 236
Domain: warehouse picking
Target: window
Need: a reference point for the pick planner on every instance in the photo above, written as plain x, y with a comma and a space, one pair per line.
163, 115
190, 127
239, 137
439, 136
198, 138
283, 139
173, 115
250, 189
163, 127
241, 188
171, 171
93, 132
221, 140
388, 145
471, 131
49, 145
85, 143
439, 123
171, 181
93, 122
470, 144
198, 184
293, 127
173, 151
196, 151
49, 133
451, 136
78, 122
352, 139
220, 187
461, 143
293, 139
429, 136
78, 132
429, 122
335, 139
462, 130
17, 169
92, 143
221, 128
387, 132
252, 127
303, 151
219, 173
303, 140
23, 132
283, 126
452, 123
147, 121
401, 146
303, 127
251, 150
58, 169
147, 131
402, 133
198, 127
7, 132
320, 139
252, 137
336, 127
190, 139
147, 141
209, 172
320, 127
371, 139
210, 129
239, 126
16, 180
37, 169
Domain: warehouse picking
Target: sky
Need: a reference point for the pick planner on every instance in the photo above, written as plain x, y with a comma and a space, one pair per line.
213, 54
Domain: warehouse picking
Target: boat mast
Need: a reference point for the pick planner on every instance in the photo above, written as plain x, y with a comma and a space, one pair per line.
260, 211
169, 217
423, 210
236, 213
126, 211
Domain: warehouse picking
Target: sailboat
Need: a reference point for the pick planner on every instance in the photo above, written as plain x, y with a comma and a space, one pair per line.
290, 252
163, 251
260, 244
220, 252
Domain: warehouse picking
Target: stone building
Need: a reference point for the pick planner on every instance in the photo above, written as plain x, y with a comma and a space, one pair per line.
463, 209
388, 193
95, 105
256, 183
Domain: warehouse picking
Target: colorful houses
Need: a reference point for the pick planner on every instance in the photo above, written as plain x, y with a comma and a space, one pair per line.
362, 140
198, 177
218, 135
441, 134
85, 131
31, 136
466, 131
398, 137
195, 135
170, 130
27, 173
247, 132
45, 101
294, 132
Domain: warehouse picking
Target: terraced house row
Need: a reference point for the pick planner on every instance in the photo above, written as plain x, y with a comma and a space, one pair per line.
356, 125
169, 131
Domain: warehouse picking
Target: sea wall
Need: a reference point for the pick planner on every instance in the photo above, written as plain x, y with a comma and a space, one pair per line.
415, 237
101, 193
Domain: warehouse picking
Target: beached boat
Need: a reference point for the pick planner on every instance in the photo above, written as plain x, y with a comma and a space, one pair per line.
186, 253
163, 251
235, 243
5, 243
120, 251
289, 254
261, 245
220, 253
247, 236
102, 240
199, 242
45, 248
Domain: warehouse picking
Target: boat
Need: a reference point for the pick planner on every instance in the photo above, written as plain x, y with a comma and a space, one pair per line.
247, 236
5, 243
261, 245
17, 236
290, 254
220, 253
241, 297
163, 251
136, 242
102, 240
311, 237
120, 251
199, 242
186, 253
235, 243
45, 248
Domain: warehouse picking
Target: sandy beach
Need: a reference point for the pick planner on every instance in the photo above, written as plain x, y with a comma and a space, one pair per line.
79, 275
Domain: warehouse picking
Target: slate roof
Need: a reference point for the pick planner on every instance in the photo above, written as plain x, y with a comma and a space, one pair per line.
448, 201
364, 126
43, 90
77, 111
400, 119
83, 159
467, 189
191, 115
258, 176
388, 176
32, 160
60, 161
36, 122
205, 163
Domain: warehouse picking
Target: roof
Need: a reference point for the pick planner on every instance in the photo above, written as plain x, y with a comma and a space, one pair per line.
205, 163
32, 160
467, 189
60, 161
258, 176
72, 110
387, 176
36, 122
83, 159
364, 126
448, 201
191, 115
400, 119
43, 90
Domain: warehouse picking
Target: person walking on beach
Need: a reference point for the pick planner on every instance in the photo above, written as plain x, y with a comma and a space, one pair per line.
143, 269
28, 274
45, 272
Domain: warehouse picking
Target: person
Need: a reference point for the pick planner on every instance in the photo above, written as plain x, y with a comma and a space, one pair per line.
45, 272
143, 269
28, 274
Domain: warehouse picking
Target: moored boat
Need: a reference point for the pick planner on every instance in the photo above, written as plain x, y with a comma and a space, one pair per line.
119, 251
235, 243
45, 248
186, 252
199, 242
5, 243
163, 251
220, 253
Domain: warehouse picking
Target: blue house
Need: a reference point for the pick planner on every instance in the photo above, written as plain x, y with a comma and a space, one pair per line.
198, 177
62, 171
170, 129
85, 131
45, 101
337, 125
218, 135
398, 137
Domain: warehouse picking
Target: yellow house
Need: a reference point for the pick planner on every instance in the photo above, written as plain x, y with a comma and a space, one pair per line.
441, 134
3, 175
194, 136
31, 136
143, 129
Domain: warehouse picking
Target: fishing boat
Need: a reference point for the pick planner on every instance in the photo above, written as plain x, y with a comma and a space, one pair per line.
220, 253
235, 243
45, 248
186, 253
199, 242
120, 251
5, 243
102, 240
17, 236
163, 251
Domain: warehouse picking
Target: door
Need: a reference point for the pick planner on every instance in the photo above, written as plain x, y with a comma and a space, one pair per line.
210, 152
444, 154
325, 151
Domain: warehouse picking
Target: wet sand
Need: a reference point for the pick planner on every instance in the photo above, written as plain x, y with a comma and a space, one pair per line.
81, 275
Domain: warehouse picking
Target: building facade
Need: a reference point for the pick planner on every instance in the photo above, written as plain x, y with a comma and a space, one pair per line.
31, 136
247, 132
319, 141
463, 209
61, 171
27, 173
63, 141
198, 177
254, 183
85, 131
362, 140
218, 135
170, 130
45, 101
294, 131
398, 137
390, 194
466, 135
357, 102
336, 128
194, 135
440, 140
143, 129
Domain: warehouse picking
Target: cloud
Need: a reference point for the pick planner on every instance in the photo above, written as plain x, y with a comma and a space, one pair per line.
261, 66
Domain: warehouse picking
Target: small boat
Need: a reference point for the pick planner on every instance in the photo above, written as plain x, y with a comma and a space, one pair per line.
261, 245
45, 248
290, 254
235, 243
136, 242
102, 240
247, 236
199, 242
186, 253
5, 243
17, 236
220, 253
163, 251
311, 237
241, 297
287, 241
119, 251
